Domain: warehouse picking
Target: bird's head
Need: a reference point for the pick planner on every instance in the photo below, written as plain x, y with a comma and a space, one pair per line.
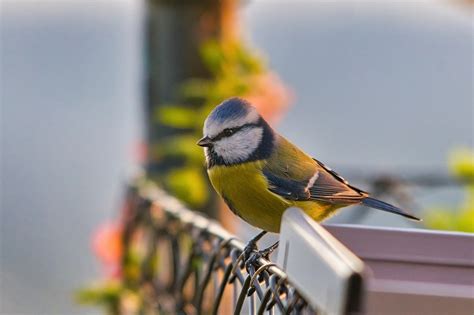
234, 132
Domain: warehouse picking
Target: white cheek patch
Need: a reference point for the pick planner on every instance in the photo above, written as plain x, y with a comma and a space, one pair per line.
213, 128
239, 146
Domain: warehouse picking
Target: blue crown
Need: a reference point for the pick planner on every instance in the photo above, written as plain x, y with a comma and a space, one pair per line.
230, 109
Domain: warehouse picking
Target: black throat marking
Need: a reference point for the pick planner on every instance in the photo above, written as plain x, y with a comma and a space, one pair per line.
263, 151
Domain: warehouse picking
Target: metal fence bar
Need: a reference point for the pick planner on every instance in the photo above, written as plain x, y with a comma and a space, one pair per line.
191, 265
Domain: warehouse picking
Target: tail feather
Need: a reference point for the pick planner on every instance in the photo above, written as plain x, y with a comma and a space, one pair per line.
378, 204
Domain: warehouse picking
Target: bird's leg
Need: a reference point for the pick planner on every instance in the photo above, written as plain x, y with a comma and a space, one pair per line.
257, 254
265, 253
251, 246
251, 252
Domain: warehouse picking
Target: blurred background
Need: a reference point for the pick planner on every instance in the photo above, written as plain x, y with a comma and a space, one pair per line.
91, 90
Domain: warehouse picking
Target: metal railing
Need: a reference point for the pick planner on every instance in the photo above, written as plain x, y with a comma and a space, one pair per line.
190, 265
179, 262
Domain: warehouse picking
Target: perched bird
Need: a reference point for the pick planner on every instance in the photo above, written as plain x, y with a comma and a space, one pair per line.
259, 173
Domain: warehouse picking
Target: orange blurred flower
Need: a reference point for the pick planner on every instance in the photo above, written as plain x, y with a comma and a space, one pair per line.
270, 96
107, 245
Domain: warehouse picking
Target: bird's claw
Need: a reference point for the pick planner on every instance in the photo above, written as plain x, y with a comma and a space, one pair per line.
249, 250
252, 259
251, 246
269, 250
252, 254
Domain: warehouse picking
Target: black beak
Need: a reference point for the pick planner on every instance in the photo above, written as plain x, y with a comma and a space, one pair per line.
205, 142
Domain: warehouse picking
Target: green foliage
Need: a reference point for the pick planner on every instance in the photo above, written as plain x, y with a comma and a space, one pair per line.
189, 184
461, 163
461, 218
233, 68
115, 298
131, 265
106, 295
233, 58
177, 147
176, 116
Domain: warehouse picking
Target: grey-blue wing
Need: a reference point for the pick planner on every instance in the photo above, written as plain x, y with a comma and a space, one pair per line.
286, 187
321, 184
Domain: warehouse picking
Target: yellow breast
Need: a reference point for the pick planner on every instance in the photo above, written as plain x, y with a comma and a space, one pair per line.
245, 190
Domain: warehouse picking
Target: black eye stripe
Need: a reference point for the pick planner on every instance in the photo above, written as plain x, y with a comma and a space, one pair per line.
227, 132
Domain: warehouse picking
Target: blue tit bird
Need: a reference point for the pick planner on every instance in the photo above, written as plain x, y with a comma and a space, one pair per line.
260, 174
